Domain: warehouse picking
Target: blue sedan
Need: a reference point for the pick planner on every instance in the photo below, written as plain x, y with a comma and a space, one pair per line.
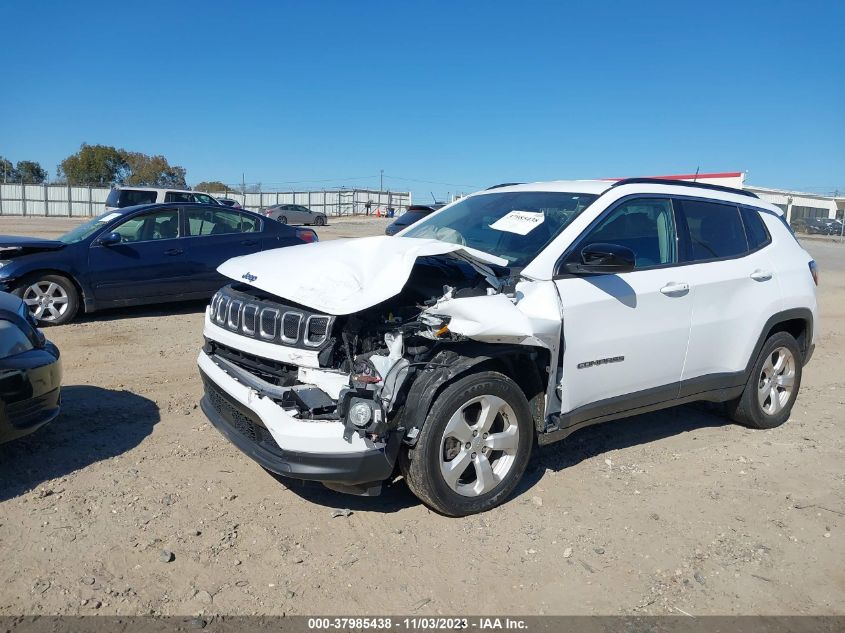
152, 253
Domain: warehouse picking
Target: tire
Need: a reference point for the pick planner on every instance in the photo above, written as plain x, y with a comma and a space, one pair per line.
320, 221
766, 402
52, 299
455, 433
283, 219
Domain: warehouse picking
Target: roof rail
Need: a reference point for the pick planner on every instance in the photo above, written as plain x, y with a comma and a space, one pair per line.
504, 184
682, 183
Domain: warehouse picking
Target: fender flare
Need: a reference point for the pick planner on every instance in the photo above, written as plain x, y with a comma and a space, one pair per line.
792, 314
449, 364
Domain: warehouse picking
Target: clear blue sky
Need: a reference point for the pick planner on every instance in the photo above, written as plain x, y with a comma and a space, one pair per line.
464, 93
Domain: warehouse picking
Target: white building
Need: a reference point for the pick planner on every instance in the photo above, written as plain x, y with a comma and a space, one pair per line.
796, 204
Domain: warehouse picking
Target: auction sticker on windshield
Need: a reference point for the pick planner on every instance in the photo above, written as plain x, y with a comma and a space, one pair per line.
519, 222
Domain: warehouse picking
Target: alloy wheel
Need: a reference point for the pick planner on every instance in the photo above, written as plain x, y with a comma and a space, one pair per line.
777, 380
479, 445
47, 300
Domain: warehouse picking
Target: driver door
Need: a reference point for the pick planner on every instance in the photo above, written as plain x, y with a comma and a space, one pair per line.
147, 264
625, 335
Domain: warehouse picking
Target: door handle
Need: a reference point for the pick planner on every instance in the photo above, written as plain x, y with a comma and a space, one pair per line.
173, 251
249, 242
675, 288
761, 275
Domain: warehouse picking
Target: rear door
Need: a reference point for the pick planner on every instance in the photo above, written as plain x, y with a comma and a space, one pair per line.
215, 234
734, 287
148, 263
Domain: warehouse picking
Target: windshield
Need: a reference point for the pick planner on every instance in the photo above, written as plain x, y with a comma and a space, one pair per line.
89, 228
515, 225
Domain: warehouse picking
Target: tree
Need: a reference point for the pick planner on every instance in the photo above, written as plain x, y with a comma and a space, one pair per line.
31, 172
211, 186
95, 165
153, 171
8, 173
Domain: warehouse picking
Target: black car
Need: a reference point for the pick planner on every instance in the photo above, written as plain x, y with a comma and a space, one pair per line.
415, 213
817, 226
151, 253
30, 372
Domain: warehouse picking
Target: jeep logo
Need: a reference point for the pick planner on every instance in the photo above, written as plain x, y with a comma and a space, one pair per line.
249, 277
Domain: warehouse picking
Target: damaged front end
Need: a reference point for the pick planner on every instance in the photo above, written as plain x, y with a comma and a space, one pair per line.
332, 397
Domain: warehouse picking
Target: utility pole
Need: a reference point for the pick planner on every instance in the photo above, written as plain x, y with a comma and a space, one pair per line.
381, 181
243, 183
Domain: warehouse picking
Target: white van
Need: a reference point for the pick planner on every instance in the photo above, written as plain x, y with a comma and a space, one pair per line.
120, 197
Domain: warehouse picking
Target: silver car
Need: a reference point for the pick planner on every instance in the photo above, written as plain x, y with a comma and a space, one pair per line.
295, 214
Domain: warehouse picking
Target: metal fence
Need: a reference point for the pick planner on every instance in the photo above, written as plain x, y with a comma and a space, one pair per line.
67, 201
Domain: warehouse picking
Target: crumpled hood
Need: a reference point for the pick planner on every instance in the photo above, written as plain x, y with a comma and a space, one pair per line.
14, 245
344, 276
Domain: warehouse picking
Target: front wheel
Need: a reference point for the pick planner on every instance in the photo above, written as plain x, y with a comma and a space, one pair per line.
321, 221
283, 219
766, 401
474, 446
52, 299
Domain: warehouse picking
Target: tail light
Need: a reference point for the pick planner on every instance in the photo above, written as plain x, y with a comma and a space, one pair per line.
307, 235
814, 271
267, 213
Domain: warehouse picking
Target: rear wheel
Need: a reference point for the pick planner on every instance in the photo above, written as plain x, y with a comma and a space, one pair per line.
52, 299
474, 446
773, 385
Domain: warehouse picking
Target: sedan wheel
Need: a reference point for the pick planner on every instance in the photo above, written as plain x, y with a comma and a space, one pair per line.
51, 299
321, 220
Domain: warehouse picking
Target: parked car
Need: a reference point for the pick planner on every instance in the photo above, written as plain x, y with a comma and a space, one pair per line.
229, 202
514, 315
295, 214
415, 213
30, 372
817, 226
121, 197
135, 255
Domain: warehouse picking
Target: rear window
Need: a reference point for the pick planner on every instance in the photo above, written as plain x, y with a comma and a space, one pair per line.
755, 229
128, 197
715, 230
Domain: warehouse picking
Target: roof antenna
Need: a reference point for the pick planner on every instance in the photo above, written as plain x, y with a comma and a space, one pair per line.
695, 178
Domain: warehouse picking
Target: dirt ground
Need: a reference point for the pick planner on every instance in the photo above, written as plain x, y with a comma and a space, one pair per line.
666, 513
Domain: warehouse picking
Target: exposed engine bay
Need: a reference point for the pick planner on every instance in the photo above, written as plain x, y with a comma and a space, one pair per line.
366, 361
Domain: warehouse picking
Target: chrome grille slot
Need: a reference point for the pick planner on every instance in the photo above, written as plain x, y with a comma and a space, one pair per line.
316, 330
250, 314
235, 314
222, 308
268, 320
290, 326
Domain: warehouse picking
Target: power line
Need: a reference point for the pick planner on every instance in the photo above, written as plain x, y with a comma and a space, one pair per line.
432, 182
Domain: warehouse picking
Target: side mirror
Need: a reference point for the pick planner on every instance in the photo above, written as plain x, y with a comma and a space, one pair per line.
603, 259
109, 239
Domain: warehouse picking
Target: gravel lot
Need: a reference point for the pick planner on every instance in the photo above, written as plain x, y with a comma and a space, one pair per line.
672, 512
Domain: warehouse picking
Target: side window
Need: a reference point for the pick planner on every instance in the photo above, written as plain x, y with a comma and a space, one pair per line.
645, 225
160, 225
204, 199
755, 228
177, 196
715, 230
212, 221
249, 224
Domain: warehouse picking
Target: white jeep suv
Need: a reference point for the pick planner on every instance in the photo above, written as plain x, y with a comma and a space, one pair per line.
516, 315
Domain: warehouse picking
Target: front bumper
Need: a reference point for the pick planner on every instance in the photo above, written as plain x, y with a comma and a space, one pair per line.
283, 444
30, 391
